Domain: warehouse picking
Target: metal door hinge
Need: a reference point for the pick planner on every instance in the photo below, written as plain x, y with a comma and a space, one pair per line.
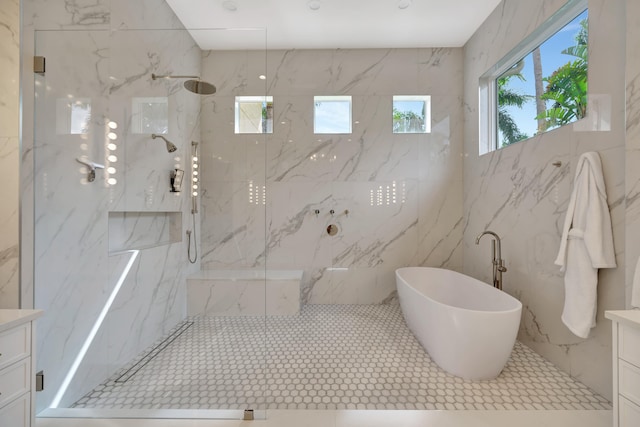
40, 381
39, 64
248, 415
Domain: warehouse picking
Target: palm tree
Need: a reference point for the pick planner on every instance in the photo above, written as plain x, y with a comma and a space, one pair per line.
507, 97
567, 86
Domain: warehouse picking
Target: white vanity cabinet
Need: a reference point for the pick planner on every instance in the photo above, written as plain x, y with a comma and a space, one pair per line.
17, 367
626, 367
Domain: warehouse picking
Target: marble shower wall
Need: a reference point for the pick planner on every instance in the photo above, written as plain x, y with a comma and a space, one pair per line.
403, 191
9, 152
517, 193
632, 155
86, 234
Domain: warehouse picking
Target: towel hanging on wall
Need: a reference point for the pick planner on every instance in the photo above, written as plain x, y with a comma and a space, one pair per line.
586, 245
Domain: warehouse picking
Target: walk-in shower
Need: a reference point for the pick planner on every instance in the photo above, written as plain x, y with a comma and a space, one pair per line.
269, 310
111, 271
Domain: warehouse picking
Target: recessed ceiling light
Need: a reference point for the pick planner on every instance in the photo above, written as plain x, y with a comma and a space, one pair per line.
313, 4
230, 5
403, 4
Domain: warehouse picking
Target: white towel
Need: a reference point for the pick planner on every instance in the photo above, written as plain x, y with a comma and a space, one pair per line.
635, 288
586, 245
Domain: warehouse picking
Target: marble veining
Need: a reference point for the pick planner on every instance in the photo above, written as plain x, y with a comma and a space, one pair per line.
9, 153
517, 192
403, 193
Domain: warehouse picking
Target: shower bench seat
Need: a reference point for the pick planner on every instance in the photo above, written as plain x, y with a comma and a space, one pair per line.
244, 293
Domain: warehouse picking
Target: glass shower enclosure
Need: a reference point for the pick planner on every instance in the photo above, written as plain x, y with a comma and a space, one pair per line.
132, 175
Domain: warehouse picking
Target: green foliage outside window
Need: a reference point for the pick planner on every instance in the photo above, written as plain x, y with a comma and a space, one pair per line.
560, 97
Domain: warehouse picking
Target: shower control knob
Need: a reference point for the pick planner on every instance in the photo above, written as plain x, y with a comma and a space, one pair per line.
332, 230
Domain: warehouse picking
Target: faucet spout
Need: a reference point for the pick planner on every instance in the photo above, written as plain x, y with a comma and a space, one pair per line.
496, 255
496, 240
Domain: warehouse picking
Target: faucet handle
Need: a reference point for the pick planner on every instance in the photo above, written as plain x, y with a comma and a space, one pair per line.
502, 268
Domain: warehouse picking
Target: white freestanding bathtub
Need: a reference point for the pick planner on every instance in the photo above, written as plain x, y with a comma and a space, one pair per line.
467, 326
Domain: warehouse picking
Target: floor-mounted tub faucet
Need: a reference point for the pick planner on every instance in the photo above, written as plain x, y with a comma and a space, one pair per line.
497, 261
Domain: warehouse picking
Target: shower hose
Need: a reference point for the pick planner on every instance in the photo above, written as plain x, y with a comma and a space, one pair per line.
195, 241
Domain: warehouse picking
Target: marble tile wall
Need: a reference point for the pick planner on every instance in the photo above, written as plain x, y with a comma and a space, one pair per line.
302, 171
514, 191
9, 152
517, 193
96, 51
632, 154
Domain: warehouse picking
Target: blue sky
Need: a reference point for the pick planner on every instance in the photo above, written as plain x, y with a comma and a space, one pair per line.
332, 117
552, 59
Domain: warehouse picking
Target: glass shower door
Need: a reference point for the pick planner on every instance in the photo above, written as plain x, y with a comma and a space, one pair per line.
131, 325
71, 195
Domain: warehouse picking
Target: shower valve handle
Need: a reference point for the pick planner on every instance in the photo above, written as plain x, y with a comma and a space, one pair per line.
91, 175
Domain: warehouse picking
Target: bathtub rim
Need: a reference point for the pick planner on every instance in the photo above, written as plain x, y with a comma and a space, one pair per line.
518, 307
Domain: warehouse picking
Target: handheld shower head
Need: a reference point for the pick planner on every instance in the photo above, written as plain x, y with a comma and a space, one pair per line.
170, 145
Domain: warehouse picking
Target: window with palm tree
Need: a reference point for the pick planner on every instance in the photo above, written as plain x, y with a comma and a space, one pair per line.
547, 88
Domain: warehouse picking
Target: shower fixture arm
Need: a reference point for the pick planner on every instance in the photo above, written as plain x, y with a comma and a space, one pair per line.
193, 84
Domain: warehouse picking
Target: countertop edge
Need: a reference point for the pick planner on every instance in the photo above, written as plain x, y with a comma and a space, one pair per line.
628, 317
10, 318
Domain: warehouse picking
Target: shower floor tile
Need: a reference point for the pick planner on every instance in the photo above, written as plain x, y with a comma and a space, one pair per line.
328, 357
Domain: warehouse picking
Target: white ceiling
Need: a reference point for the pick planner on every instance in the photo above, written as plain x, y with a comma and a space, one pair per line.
292, 24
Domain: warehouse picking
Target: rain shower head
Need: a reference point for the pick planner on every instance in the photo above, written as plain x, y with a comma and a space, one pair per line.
199, 87
194, 84
170, 145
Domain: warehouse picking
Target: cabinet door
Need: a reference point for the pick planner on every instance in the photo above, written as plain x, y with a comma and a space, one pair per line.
14, 381
15, 344
629, 413
16, 413
629, 382
629, 344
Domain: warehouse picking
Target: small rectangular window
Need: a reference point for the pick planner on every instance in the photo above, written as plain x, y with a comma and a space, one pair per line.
540, 85
254, 114
150, 115
73, 116
332, 114
411, 114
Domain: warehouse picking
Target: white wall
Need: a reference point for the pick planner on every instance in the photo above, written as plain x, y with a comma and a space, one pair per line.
305, 171
9, 151
517, 193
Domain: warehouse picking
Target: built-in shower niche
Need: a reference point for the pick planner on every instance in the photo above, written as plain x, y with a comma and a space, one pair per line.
141, 230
